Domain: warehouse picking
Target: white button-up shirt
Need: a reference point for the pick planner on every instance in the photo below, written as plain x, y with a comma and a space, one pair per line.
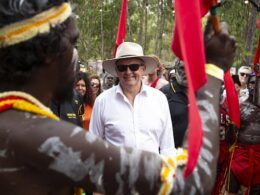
146, 125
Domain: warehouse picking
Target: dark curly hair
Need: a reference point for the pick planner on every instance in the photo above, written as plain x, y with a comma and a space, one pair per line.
19, 62
88, 97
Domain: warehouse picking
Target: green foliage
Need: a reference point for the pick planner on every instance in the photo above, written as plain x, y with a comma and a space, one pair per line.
236, 14
98, 21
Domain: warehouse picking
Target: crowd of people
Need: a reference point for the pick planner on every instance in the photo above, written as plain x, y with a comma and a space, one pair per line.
64, 131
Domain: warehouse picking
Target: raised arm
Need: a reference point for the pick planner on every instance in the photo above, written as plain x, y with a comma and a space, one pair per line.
220, 51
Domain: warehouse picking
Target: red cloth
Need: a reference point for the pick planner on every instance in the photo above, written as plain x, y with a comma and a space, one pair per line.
232, 99
224, 127
155, 82
191, 50
246, 164
7, 106
258, 24
224, 154
121, 26
257, 54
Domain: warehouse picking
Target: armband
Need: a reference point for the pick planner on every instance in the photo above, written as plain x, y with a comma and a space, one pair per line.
169, 165
214, 71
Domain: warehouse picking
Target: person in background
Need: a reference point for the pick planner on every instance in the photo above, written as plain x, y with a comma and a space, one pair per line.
108, 81
176, 93
168, 67
244, 73
131, 113
84, 88
251, 86
227, 137
153, 78
96, 86
69, 109
237, 83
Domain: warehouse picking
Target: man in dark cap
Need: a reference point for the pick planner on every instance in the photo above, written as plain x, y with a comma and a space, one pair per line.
42, 155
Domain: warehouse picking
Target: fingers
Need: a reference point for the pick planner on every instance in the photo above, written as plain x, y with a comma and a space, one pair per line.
224, 28
209, 30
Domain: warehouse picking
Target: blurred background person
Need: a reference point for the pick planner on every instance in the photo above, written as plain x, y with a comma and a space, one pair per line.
166, 71
108, 81
176, 93
236, 83
153, 78
96, 86
83, 87
70, 109
251, 86
244, 73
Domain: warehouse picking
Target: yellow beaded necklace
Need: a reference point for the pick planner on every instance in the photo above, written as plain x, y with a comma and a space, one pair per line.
25, 102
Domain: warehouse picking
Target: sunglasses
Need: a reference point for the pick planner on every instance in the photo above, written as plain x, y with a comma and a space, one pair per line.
244, 74
95, 85
132, 67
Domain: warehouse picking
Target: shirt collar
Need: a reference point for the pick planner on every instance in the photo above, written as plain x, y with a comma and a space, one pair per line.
144, 89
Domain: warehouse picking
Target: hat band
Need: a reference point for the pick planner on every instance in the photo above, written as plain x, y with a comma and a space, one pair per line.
38, 24
125, 56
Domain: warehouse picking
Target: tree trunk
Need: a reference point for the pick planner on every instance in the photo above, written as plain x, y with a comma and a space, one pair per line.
158, 22
250, 33
128, 16
102, 32
161, 28
140, 35
146, 24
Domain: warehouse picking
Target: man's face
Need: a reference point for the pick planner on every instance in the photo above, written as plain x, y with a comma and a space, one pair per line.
67, 64
128, 77
154, 72
180, 74
109, 81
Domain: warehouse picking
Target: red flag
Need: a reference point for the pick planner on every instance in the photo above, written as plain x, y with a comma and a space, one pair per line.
188, 45
232, 99
121, 26
257, 53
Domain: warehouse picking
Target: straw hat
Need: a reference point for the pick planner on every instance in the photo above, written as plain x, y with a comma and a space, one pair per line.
128, 50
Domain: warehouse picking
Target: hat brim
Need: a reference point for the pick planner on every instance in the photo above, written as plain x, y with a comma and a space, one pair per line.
110, 64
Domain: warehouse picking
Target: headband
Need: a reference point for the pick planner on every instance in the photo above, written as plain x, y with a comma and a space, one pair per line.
29, 28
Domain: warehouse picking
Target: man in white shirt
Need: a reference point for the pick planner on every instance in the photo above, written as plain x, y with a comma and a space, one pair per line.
132, 114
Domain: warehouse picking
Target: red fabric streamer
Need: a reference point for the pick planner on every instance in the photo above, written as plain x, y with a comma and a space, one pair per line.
256, 66
121, 26
257, 54
232, 99
153, 85
258, 24
191, 50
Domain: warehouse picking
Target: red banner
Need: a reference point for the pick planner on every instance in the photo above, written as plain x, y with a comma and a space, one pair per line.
121, 25
188, 45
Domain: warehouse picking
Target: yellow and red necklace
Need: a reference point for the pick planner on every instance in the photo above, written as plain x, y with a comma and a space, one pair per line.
24, 102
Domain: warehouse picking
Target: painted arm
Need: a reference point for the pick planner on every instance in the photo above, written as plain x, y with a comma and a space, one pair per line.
220, 50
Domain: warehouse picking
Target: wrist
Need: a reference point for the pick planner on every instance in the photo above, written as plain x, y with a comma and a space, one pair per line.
169, 166
214, 71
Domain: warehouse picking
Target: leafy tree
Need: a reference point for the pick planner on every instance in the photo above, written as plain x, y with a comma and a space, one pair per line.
150, 23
